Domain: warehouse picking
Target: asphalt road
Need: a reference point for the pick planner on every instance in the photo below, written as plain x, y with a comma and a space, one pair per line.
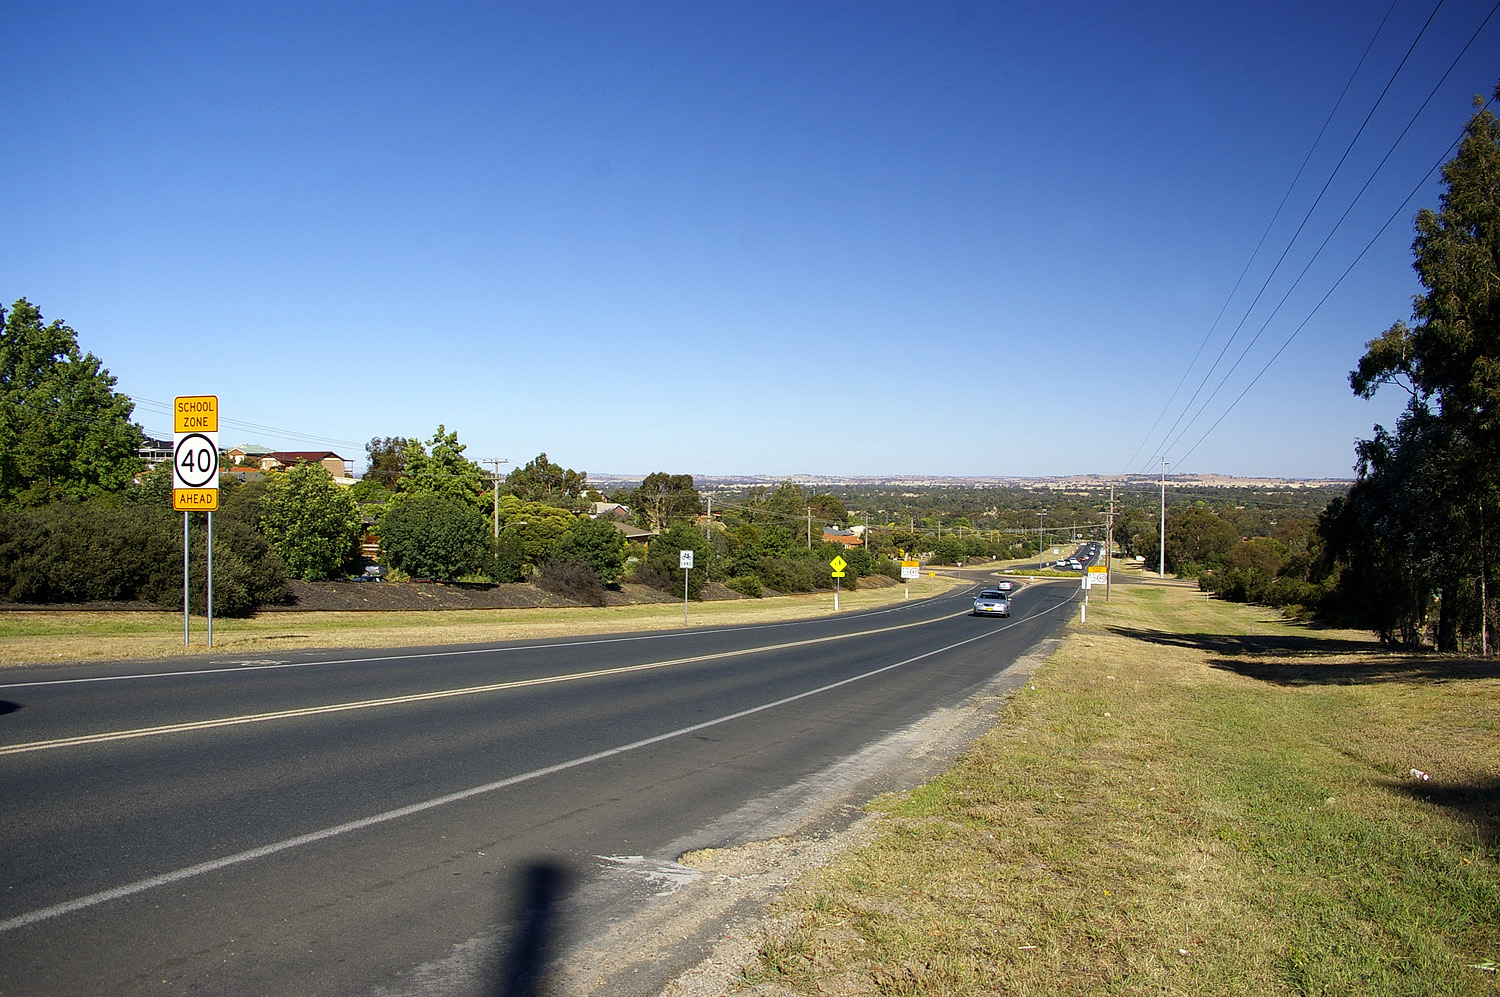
375, 822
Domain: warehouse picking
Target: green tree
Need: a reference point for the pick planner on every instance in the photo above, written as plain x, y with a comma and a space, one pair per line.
428, 535
64, 430
948, 550
386, 459
663, 499
540, 527
439, 467
311, 523
596, 543
827, 510
540, 480
664, 551
1197, 537
1448, 362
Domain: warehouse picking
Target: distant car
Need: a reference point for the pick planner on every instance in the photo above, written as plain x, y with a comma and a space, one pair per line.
991, 602
1004, 586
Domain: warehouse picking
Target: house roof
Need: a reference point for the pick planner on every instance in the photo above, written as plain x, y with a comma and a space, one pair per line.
311, 456
252, 450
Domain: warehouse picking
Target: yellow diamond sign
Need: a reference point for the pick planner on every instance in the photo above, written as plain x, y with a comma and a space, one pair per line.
838, 564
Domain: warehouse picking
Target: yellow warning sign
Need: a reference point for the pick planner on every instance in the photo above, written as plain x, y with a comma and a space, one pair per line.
195, 499
195, 414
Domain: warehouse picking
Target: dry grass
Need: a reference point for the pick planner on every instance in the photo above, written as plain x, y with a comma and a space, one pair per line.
1191, 798
28, 637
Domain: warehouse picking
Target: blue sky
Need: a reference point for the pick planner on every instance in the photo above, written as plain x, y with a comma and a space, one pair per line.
739, 238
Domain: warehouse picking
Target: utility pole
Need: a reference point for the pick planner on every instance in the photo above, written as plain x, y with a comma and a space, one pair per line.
1039, 518
1109, 541
809, 527
495, 479
708, 524
1161, 566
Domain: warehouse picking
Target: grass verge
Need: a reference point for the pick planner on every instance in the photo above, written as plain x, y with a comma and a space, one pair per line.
34, 636
1191, 797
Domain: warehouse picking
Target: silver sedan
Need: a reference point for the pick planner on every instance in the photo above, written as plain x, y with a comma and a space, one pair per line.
991, 602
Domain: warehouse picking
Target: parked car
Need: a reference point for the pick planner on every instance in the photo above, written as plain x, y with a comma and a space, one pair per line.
991, 602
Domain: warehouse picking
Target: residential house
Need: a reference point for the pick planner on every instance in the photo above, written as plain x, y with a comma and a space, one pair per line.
634, 534
279, 460
154, 451
849, 538
247, 454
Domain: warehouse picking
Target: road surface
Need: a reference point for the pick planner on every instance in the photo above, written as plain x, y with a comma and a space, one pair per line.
439, 820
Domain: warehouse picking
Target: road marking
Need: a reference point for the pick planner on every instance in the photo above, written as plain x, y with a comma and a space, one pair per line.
250, 855
268, 664
421, 697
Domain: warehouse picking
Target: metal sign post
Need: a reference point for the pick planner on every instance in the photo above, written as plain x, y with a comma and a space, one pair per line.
685, 562
838, 564
910, 570
195, 483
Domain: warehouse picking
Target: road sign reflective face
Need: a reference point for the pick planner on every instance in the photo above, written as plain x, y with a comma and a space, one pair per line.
195, 461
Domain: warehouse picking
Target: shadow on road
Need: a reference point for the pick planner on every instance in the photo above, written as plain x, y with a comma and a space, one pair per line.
6, 706
522, 971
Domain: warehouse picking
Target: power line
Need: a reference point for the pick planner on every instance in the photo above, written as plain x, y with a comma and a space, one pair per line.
1394, 215
166, 409
1208, 374
1337, 225
1264, 235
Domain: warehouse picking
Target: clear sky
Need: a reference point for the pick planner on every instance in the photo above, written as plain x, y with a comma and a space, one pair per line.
737, 238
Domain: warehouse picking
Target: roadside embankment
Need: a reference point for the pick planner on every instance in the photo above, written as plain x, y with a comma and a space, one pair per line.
1190, 797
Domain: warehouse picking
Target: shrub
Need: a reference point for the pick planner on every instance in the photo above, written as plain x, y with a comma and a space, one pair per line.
651, 575
68, 552
663, 556
573, 580
785, 574
748, 585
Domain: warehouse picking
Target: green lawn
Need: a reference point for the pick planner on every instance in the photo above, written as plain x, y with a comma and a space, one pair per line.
1191, 798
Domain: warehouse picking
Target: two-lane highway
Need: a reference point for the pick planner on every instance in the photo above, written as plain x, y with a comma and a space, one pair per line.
329, 823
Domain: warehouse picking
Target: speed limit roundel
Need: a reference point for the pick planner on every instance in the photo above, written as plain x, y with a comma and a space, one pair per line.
195, 461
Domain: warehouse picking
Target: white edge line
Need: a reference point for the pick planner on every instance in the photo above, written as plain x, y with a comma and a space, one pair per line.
239, 858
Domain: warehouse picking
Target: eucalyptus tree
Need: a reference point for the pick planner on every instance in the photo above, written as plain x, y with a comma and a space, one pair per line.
1440, 470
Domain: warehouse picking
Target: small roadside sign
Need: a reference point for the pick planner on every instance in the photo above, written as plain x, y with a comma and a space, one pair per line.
838, 564
911, 569
684, 559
